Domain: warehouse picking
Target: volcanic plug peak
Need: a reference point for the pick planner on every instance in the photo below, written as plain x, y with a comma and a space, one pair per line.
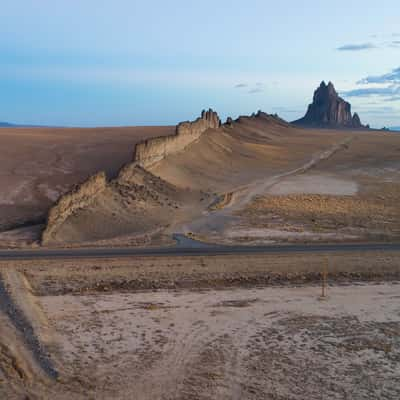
328, 109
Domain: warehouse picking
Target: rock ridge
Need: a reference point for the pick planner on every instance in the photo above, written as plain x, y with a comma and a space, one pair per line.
153, 150
81, 196
146, 153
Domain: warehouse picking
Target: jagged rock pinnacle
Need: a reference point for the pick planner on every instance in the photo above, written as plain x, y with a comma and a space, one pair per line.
328, 109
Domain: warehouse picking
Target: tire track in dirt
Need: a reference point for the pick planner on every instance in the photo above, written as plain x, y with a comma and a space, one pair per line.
220, 213
22, 325
170, 372
244, 195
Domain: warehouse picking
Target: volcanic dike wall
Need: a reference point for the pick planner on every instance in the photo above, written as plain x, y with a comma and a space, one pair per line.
146, 154
153, 150
79, 197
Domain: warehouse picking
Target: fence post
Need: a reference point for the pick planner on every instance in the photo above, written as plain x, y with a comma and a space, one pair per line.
324, 278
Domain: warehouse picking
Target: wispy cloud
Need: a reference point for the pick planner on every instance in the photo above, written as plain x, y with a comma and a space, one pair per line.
253, 88
357, 47
393, 98
391, 77
256, 90
388, 43
385, 86
373, 91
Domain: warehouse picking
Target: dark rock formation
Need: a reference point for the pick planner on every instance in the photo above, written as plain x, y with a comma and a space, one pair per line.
356, 122
229, 121
153, 150
329, 110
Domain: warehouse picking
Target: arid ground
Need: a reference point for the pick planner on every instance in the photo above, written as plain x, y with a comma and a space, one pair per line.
218, 327
39, 164
202, 327
255, 181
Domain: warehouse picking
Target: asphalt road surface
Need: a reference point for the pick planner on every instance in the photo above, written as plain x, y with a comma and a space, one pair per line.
187, 247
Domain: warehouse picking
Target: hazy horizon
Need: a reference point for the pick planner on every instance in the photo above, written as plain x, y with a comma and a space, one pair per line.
130, 63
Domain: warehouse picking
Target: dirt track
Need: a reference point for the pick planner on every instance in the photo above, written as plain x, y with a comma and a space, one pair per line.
22, 325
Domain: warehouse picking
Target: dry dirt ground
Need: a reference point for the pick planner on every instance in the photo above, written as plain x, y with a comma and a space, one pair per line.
348, 192
39, 164
257, 181
217, 327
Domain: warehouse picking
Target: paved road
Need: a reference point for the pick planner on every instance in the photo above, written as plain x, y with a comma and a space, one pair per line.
192, 250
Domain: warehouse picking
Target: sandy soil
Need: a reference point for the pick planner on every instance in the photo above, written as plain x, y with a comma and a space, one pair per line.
217, 183
39, 164
370, 214
348, 194
201, 327
313, 183
273, 343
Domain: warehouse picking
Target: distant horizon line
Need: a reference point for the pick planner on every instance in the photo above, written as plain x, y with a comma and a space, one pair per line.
4, 124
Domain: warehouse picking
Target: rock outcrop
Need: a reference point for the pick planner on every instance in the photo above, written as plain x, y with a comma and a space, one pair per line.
153, 150
78, 198
146, 154
329, 110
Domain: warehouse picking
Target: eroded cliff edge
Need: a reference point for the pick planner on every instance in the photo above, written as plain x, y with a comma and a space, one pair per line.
153, 150
146, 153
79, 197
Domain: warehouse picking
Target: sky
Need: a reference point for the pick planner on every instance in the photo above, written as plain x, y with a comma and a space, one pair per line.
129, 62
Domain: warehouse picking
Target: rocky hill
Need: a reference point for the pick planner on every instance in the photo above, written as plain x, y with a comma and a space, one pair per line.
135, 191
169, 179
329, 110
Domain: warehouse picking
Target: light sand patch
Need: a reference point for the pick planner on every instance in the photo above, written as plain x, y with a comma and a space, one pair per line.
51, 193
315, 184
234, 344
10, 191
282, 234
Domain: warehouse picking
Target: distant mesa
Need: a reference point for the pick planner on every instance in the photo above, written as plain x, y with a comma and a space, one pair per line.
328, 110
6, 125
9, 125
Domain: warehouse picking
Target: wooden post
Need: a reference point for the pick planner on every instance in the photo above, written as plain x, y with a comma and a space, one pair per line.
324, 278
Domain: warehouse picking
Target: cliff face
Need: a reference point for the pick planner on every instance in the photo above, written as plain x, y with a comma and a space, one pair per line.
80, 197
329, 110
154, 150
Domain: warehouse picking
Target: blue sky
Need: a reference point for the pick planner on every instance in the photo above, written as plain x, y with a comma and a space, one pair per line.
128, 62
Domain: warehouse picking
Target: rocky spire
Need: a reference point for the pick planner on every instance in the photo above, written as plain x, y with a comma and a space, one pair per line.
329, 110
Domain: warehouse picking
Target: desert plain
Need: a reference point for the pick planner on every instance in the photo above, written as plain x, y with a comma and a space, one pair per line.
204, 326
